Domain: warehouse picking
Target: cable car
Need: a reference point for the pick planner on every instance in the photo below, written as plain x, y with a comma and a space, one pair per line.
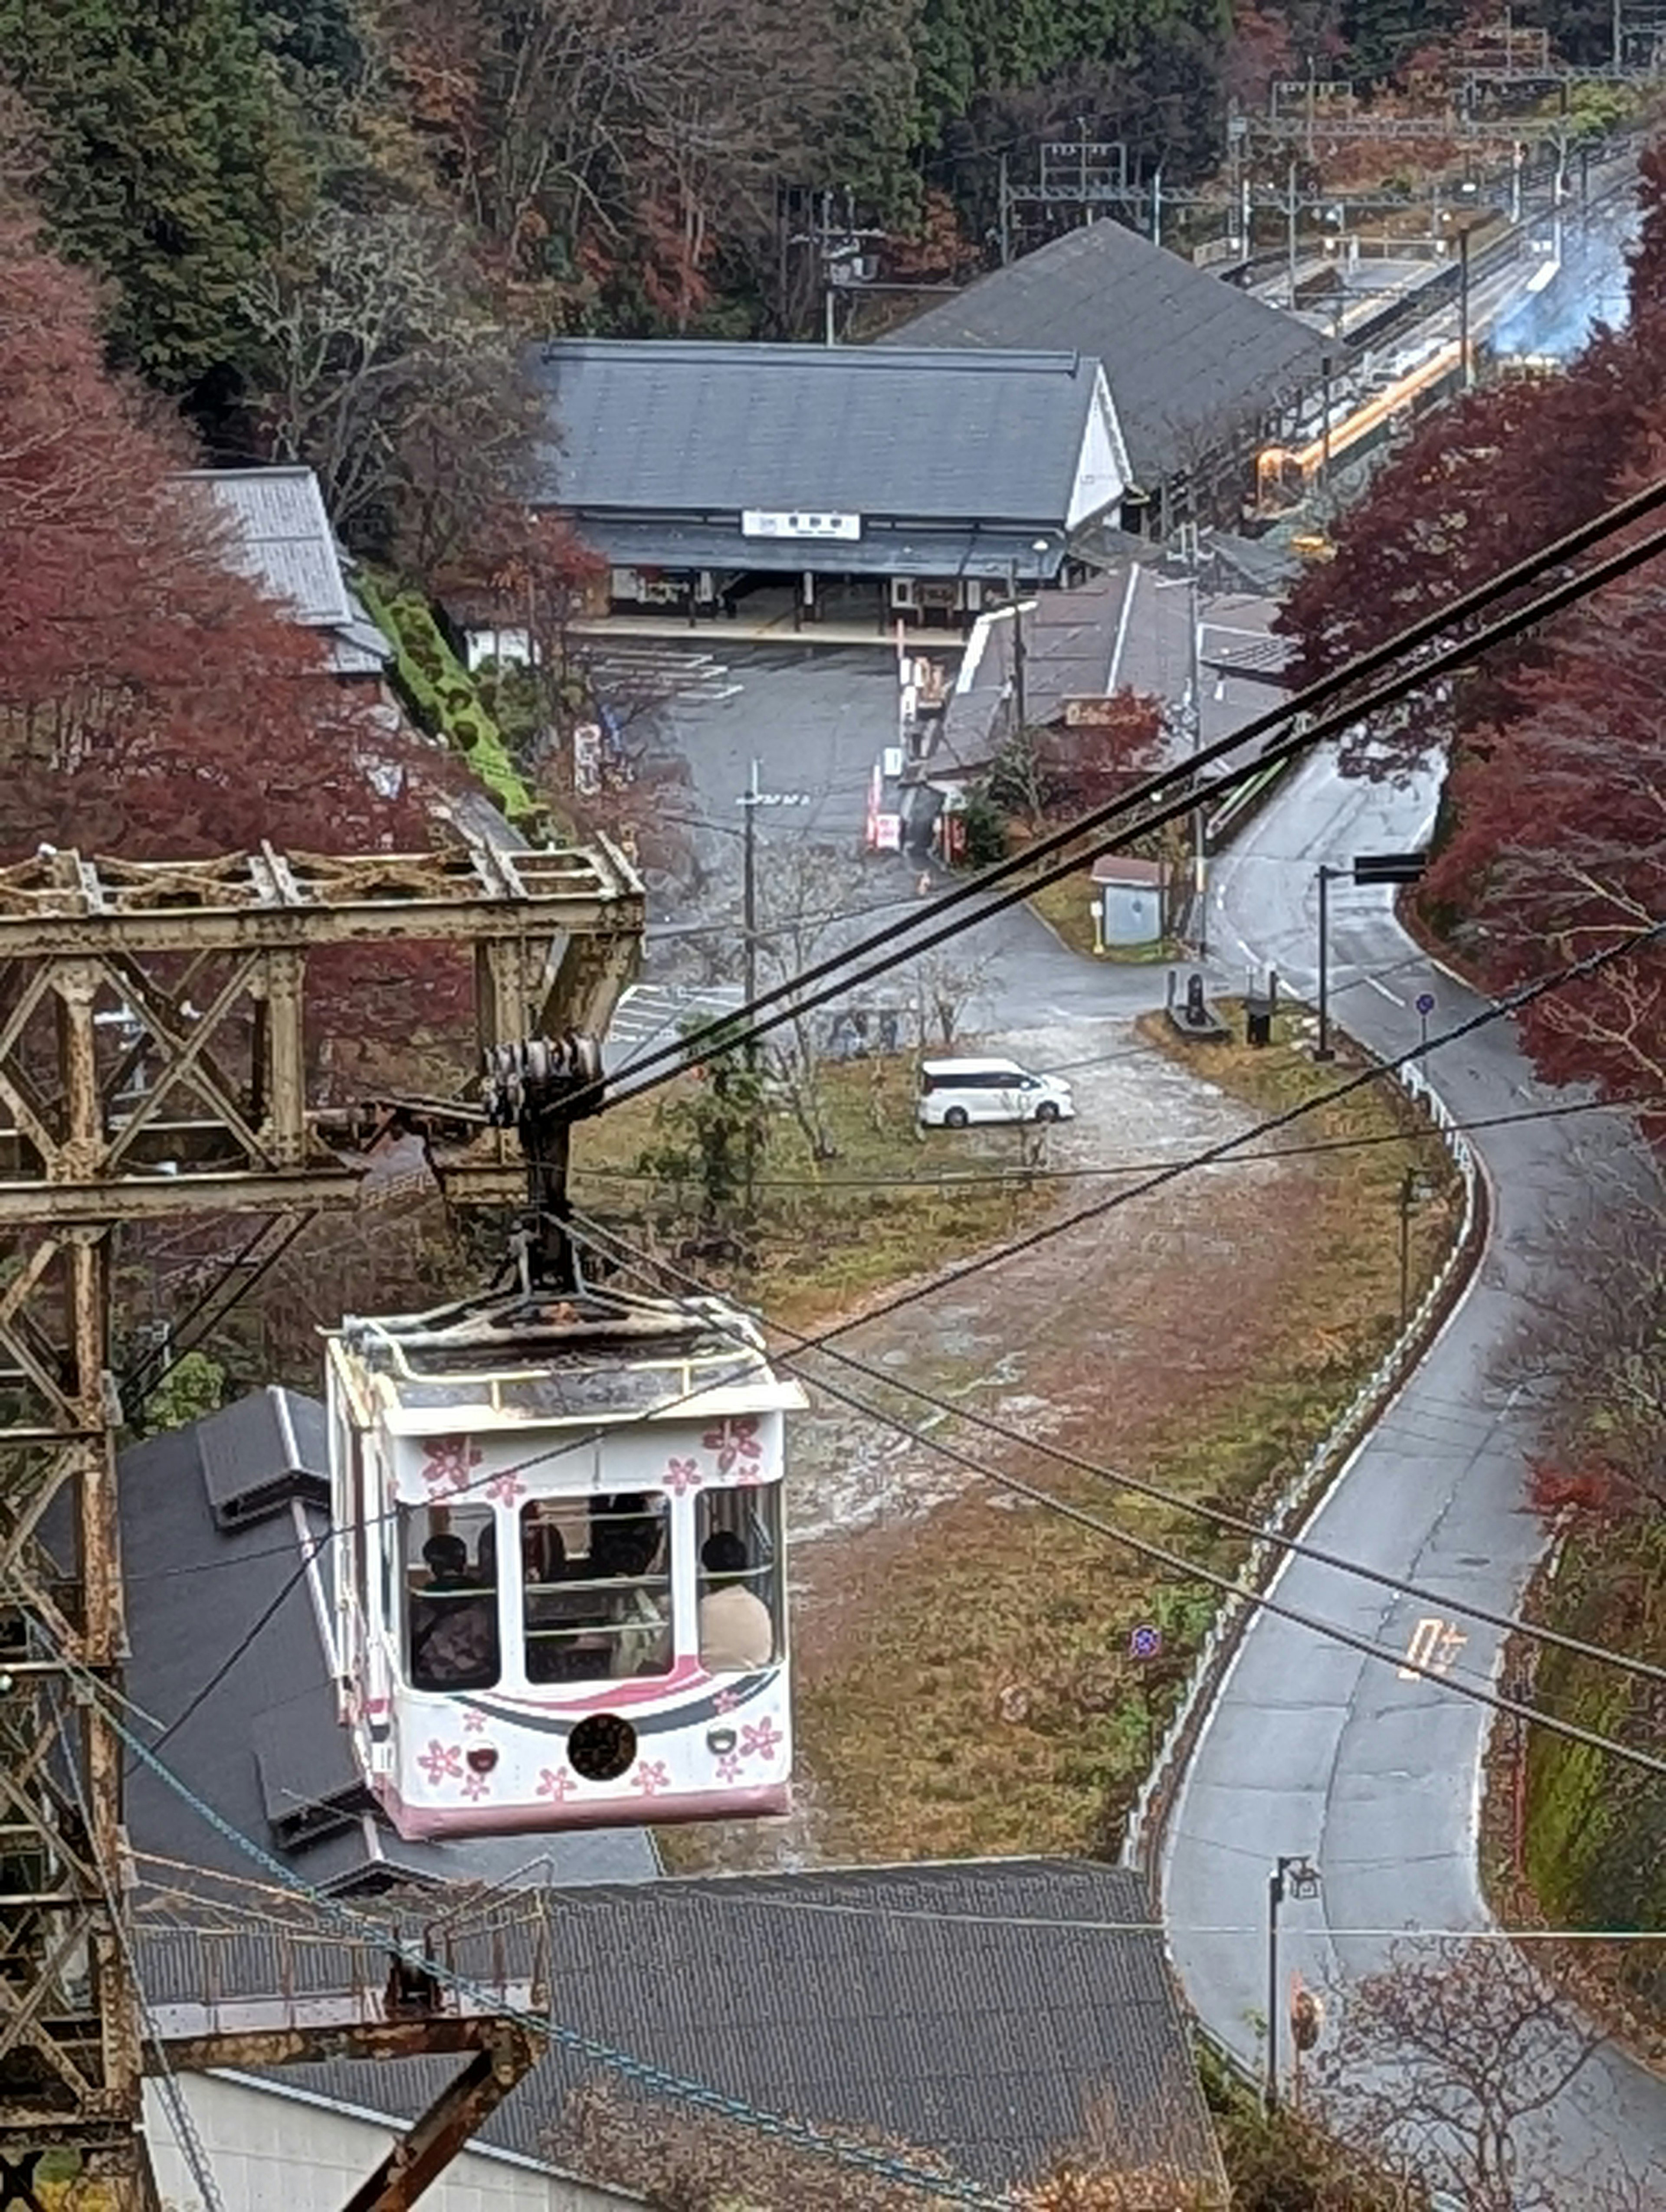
559, 1576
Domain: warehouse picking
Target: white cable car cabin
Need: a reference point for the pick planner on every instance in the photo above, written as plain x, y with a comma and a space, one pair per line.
560, 1580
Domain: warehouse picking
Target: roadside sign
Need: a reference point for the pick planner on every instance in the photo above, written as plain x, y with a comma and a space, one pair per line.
1426, 1003
1145, 1642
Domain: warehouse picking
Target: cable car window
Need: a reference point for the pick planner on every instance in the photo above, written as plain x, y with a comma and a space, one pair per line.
596, 1588
450, 1554
738, 1533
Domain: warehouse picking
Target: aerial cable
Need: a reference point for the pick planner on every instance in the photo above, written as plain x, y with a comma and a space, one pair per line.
1190, 1570
738, 1031
723, 1033
360, 1928
1497, 1010
1217, 1516
823, 1339
946, 1185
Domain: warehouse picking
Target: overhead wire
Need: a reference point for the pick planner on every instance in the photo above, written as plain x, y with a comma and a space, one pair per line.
792, 997
951, 1180
678, 2087
1164, 1175
1194, 1571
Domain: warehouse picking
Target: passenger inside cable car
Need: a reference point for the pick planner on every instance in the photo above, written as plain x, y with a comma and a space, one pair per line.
737, 1615
596, 1589
453, 1611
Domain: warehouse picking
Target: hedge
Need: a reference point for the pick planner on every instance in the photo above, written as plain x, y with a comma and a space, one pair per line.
442, 699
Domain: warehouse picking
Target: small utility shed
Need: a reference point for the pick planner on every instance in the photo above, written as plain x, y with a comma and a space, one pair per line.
901, 484
1200, 373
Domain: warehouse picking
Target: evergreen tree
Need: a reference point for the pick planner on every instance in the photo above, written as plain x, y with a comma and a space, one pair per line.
169, 162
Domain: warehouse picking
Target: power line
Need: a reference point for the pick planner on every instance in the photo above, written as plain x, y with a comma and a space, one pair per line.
1164, 1175
1190, 1570
1238, 1524
699, 1891
731, 1031
953, 1180
1526, 995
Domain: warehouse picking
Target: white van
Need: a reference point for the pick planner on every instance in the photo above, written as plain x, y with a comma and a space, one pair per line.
955, 1092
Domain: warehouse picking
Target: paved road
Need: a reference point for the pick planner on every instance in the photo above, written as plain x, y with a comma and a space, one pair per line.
1311, 1748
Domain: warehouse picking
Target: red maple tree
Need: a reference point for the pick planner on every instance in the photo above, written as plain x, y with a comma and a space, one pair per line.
153, 704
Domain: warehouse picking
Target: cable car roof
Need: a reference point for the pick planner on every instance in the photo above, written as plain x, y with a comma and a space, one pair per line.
597, 1356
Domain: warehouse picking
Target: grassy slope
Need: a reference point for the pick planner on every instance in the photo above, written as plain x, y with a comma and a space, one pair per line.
986, 1702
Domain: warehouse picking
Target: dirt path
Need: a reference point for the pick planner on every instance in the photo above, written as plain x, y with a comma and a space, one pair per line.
1088, 1340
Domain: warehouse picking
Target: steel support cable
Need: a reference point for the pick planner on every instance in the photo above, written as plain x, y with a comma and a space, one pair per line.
736, 1030
1218, 1516
953, 1916
1194, 1570
1171, 1172
360, 1928
728, 1031
946, 1185
180, 2117
138, 1377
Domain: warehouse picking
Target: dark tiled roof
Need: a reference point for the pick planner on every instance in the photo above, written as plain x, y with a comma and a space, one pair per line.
279, 535
674, 427
264, 1749
992, 2012
1189, 359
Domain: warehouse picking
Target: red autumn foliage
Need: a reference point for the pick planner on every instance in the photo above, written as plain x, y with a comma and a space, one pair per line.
1553, 1491
1559, 847
152, 703
1487, 481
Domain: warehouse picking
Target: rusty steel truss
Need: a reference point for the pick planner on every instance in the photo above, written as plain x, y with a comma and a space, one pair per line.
154, 1063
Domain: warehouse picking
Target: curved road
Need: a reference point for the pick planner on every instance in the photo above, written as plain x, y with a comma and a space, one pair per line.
1310, 1747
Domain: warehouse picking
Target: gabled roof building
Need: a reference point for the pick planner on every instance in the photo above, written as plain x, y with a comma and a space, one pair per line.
917, 480
1198, 369
279, 535
991, 2019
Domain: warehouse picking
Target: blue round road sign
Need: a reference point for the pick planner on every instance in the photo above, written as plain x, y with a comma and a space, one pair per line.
1426, 1002
1145, 1642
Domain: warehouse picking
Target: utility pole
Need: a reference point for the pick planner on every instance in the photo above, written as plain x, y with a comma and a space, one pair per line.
750, 800
1005, 216
1328, 875
1303, 1878
1465, 374
1200, 850
1289, 212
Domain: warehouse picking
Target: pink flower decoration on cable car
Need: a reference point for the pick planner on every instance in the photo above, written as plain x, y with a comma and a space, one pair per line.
450, 1464
737, 1445
682, 1474
728, 1768
560, 1785
505, 1488
474, 1723
475, 1787
442, 1762
765, 1739
650, 1777
725, 1701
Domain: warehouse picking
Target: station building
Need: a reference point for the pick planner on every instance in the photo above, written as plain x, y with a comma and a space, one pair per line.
852, 483
1203, 375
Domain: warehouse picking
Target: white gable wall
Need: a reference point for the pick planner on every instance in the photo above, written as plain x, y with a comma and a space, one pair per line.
277, 2149
1102, 474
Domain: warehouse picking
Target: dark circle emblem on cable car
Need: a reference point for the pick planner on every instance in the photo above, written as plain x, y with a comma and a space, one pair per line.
602, 1747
